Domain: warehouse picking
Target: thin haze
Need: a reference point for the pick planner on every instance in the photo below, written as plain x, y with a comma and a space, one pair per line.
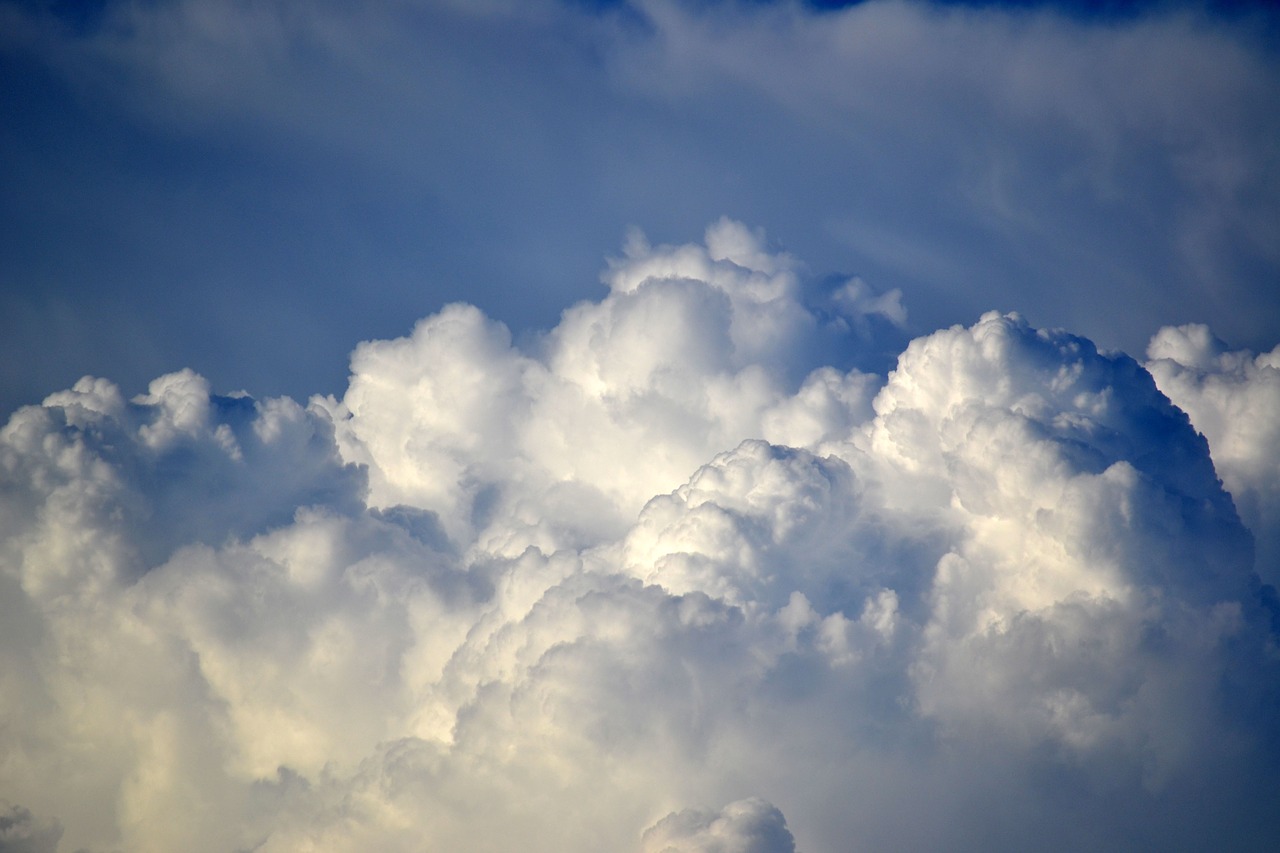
667, 427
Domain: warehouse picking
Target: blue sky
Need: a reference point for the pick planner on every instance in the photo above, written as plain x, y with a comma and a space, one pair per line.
250, 194
669, 426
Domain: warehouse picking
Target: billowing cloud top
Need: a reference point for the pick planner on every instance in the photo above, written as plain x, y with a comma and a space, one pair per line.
249, 188
656, 580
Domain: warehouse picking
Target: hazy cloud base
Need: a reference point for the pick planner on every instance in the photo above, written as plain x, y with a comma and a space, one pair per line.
654, 580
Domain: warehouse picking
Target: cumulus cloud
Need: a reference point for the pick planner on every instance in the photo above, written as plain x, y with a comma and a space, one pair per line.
561, 593
747, 826
1233, 399
694, 349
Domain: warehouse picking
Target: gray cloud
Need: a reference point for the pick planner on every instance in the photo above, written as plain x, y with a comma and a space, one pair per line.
20, 832
747, 826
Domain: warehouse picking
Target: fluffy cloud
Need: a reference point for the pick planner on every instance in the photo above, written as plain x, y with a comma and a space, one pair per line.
1082, 500
559, 594
694, 349
747, 826
1233, 399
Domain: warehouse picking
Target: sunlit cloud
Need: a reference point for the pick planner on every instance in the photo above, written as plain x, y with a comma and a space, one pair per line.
652, 582
942, 514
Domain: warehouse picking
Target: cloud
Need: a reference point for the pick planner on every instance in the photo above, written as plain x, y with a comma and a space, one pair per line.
171, 467
220, 188
746, 826
558, 592
694, 349
20, 832
1233, 399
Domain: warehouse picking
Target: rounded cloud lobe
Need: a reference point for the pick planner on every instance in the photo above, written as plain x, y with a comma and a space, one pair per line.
651, 582
747, 826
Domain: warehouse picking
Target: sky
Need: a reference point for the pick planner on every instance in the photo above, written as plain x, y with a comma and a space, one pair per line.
653, 425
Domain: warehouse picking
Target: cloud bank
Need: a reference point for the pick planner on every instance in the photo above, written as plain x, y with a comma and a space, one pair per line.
659, 579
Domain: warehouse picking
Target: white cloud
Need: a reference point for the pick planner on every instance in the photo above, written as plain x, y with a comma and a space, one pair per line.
655, 559
1233, 399
693, 350
574, 590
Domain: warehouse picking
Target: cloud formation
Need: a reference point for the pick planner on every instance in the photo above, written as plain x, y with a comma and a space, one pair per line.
221, 188
694, 349
658, 580
1233, 399
747, 826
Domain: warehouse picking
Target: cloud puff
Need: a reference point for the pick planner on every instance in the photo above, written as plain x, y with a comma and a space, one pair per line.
694, 349
746, 826
553, 593
1233, 399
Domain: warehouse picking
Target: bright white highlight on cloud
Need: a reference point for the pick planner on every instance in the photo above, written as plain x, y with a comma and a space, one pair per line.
694, 349
657, 580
